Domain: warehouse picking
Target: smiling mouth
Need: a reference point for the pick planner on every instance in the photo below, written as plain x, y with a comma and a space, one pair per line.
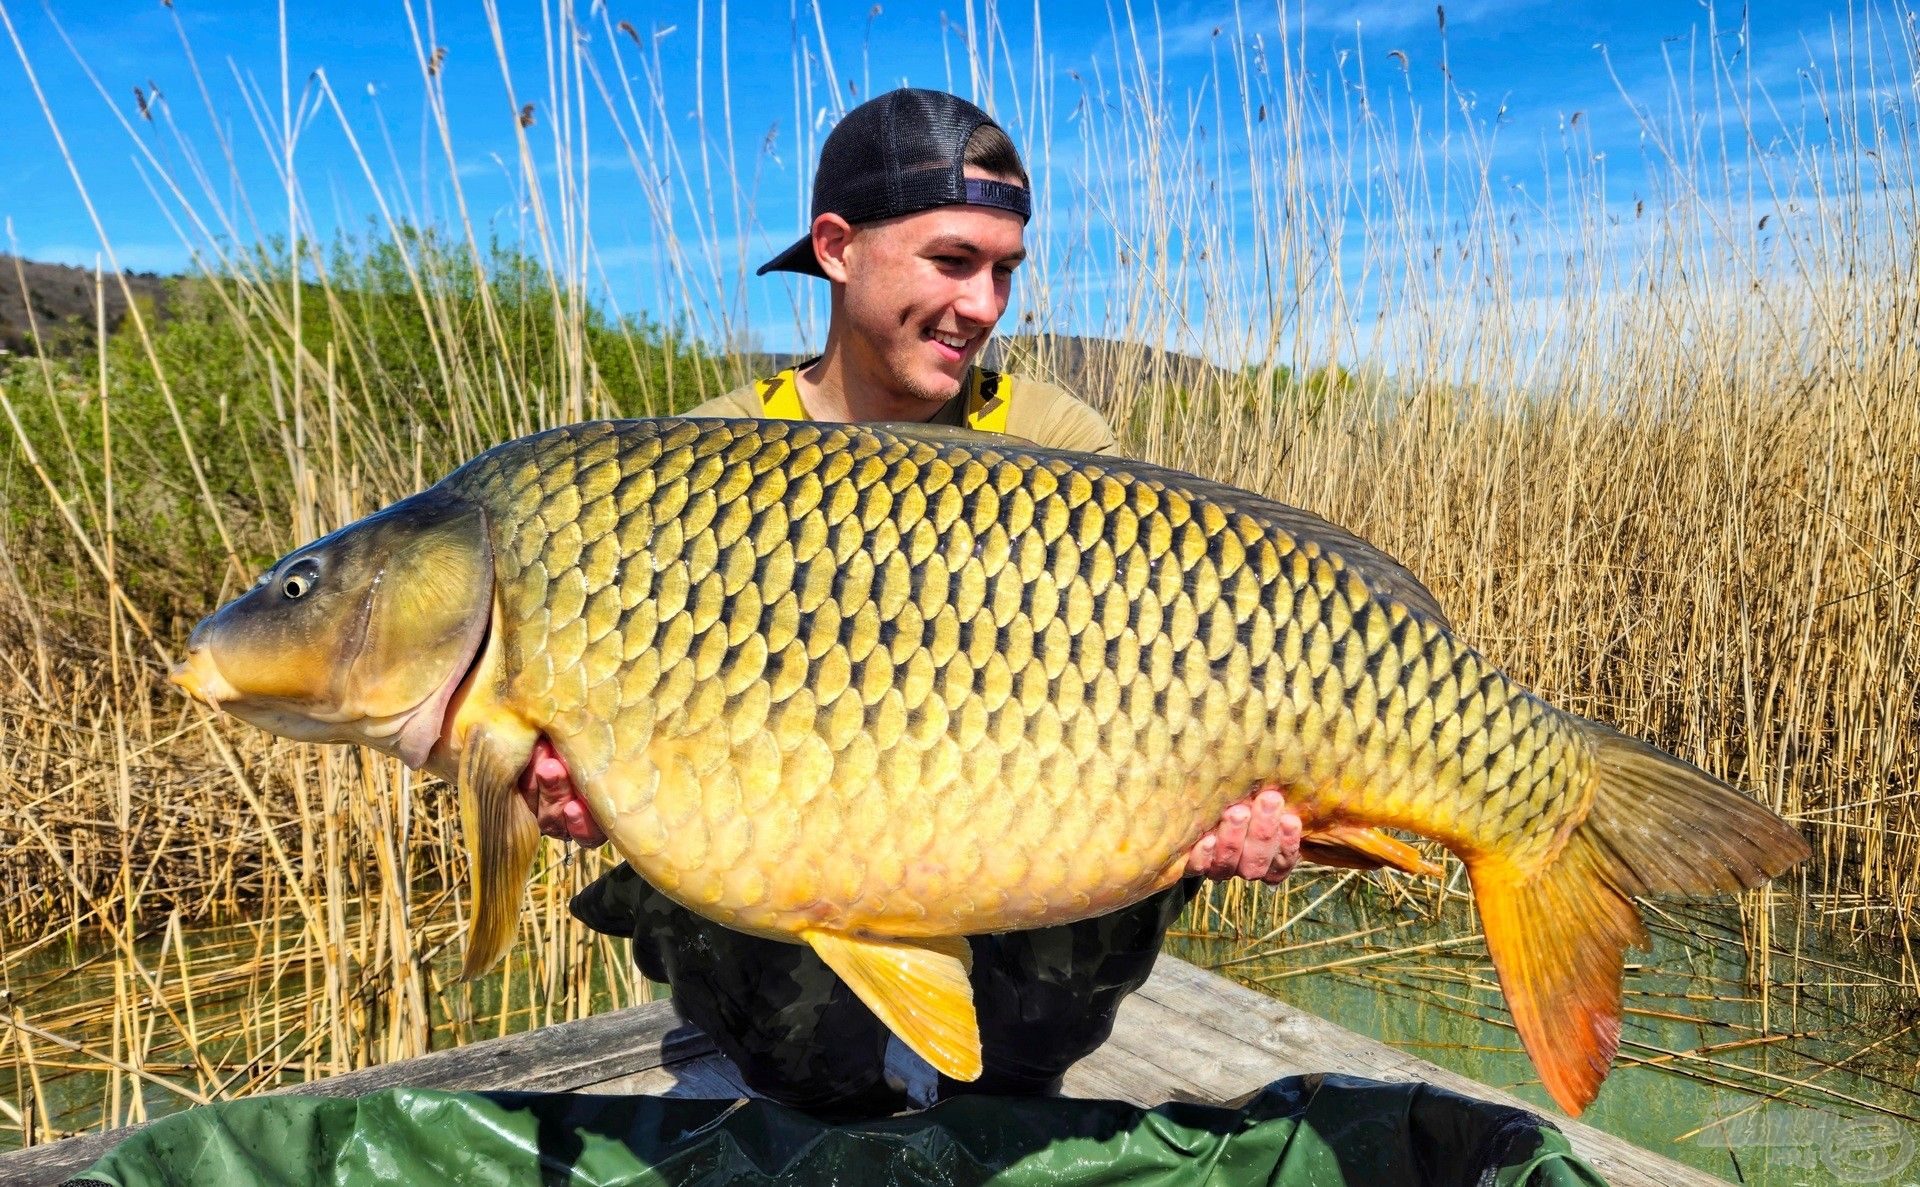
952, 344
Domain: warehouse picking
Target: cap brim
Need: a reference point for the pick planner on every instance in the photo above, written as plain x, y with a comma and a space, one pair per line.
798, 258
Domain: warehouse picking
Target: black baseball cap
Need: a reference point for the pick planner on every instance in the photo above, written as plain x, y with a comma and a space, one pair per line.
902, 152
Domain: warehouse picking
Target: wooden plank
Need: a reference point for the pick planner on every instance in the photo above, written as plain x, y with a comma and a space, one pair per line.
709, 1077
1137, 1059
1296, 1042
1186, 1036
550, 1059
1112, 1073
1212, 1065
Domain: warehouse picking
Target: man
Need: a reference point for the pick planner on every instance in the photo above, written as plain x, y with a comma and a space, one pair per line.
919, 209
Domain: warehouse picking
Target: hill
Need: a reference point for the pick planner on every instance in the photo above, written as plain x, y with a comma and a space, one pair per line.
61, 299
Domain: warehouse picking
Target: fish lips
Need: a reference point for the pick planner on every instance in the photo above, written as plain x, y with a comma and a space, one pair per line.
199, 677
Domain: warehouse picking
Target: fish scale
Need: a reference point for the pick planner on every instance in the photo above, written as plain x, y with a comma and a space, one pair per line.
876, 689
1005, 627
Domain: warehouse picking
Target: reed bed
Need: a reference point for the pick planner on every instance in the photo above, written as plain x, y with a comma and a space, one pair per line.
1657, 455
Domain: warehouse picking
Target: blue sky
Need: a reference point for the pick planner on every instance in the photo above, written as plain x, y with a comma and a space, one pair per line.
1525, 67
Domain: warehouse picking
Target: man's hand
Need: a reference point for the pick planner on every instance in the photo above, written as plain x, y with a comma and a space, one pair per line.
547, 788
1256, 839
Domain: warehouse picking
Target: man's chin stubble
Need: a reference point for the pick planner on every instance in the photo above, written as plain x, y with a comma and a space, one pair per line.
934, 399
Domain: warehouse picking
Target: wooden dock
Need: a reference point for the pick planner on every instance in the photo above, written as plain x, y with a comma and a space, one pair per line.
1187, 1035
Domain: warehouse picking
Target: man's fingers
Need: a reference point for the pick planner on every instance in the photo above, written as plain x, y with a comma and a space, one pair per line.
569, 820
550, 799
1257, 839
1263, 835
1229, 841
546, 787
1288, 856
547, 765
580, 826
555, 791
1291, 829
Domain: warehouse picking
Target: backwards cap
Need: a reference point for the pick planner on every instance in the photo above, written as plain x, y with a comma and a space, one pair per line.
902, 152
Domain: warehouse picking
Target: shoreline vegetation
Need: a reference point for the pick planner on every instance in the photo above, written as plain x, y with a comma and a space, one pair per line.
1657, 456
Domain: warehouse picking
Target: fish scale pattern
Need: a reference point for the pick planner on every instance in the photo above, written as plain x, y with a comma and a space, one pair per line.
818, 675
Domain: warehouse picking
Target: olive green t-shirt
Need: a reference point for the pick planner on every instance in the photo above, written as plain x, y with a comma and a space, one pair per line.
1015, 404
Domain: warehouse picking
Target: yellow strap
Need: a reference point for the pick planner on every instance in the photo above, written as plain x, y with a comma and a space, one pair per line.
780, 397
989, 396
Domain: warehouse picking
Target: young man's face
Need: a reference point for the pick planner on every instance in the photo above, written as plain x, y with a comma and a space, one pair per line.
923, 291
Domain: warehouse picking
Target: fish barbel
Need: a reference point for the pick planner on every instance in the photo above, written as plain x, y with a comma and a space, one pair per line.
876, 689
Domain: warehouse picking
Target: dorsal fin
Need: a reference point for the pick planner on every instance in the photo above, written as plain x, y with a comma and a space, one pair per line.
1386, 577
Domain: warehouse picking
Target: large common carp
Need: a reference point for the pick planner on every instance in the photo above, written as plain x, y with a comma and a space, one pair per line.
875, 690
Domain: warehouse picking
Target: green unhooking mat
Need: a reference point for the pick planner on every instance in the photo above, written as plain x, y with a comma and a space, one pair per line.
1316, 1130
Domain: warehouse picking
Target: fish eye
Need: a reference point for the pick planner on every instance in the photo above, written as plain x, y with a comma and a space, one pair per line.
298, 582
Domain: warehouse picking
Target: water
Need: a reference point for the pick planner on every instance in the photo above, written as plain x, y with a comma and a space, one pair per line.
1769, 1089
1812, 1082
254, 1029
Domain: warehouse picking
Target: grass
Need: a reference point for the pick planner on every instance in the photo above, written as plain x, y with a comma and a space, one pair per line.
1659, 461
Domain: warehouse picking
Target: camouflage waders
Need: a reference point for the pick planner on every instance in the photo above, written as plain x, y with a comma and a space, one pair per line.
1046, 997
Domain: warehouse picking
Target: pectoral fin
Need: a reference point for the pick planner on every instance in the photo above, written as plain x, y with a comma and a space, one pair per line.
502, 837
1354, 848
918, 988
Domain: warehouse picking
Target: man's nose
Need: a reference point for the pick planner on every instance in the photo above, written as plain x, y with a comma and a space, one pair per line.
980, 300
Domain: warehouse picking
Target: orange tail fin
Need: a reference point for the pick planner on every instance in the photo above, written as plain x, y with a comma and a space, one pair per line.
1557, 934
1354, 848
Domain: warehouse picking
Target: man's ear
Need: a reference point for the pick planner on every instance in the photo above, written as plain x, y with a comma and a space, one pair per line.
831, 237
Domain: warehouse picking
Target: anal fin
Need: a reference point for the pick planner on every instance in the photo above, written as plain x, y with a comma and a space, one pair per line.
1351, 847
917, 987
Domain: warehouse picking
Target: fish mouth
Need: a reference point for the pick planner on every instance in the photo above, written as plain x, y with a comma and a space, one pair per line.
199, 677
